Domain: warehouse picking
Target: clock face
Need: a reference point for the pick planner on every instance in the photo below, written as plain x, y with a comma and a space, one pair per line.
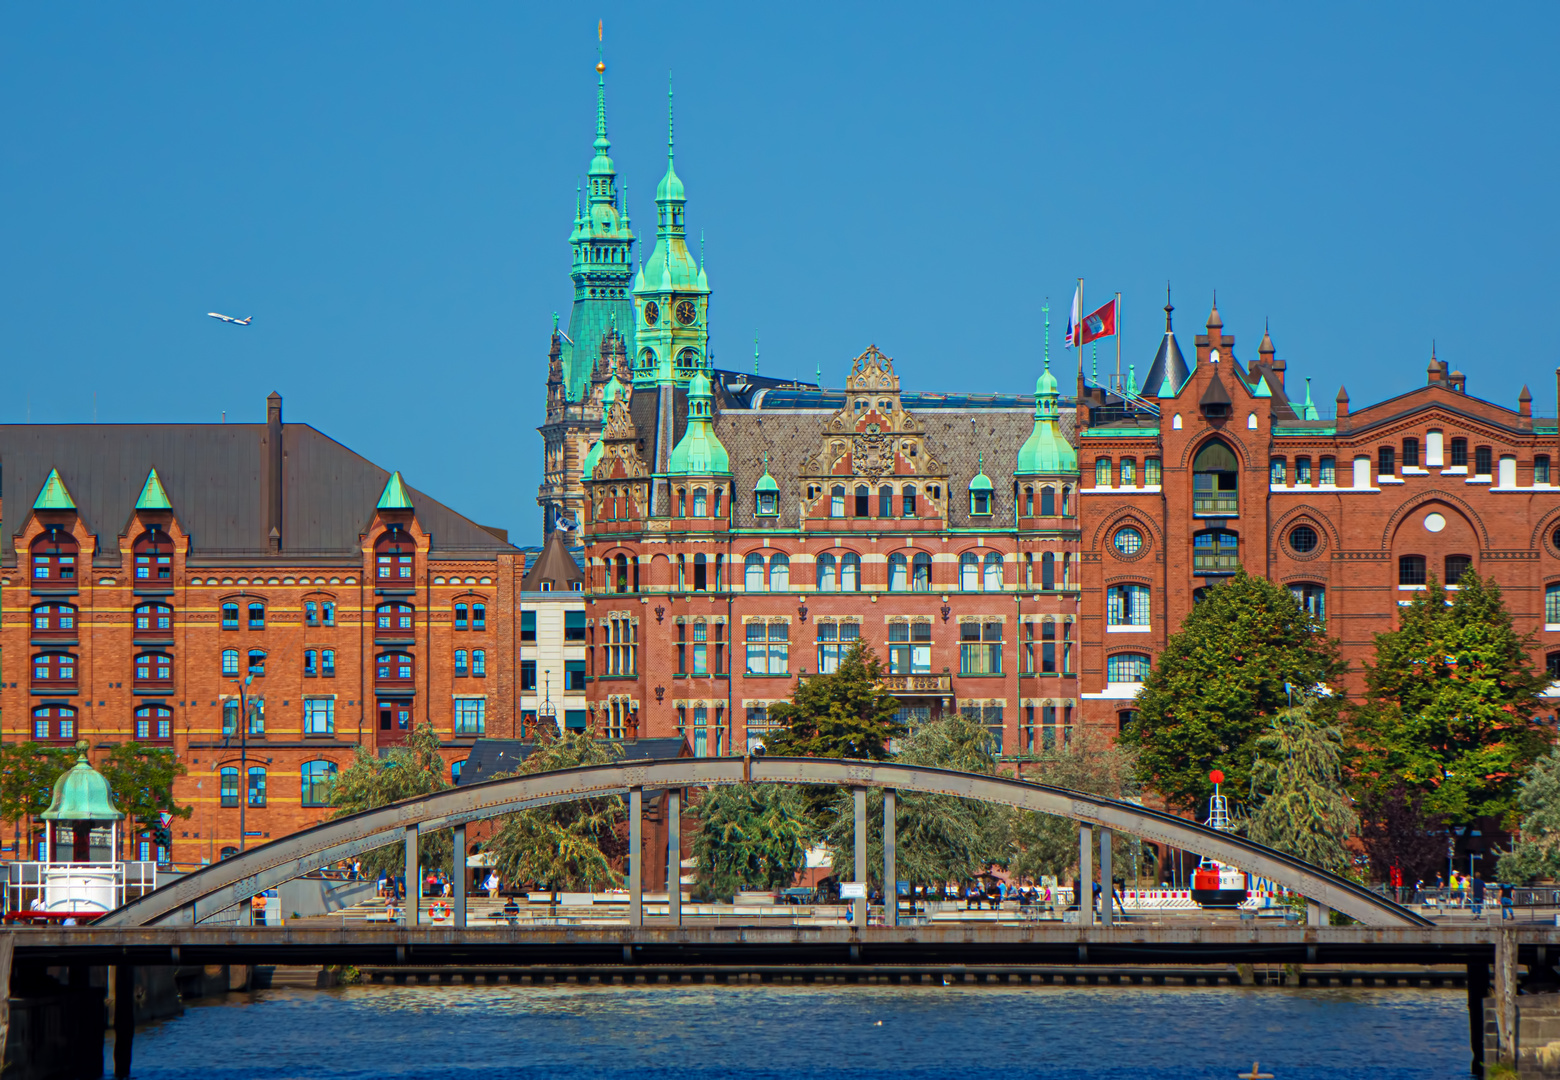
652, 313
686, 312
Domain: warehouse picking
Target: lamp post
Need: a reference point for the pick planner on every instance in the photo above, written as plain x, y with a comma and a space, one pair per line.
547, 712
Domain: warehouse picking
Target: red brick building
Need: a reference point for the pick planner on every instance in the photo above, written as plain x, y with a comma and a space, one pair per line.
152, 568
1219, 465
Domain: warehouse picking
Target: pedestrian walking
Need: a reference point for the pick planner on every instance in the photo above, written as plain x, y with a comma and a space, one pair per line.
1477, 892
1507, 901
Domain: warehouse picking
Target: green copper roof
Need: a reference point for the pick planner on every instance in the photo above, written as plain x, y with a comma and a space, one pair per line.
766, 482
81, 794
699, 452
1262, 390
54, 496
153, 497
1046, 450
1167, 389
592, 458
395, 496
1308, 409
981, 482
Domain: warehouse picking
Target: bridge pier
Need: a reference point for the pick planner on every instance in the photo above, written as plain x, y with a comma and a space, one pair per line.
1478, 990
890, 871
460, 878
636, 856
858, 908
674, 855
1085, 895
124, 1018
413, 885
1107, 887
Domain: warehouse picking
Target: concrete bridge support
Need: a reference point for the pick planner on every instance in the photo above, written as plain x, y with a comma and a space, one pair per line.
674, 856
1085, 897
858, 908
890, 858
459, 878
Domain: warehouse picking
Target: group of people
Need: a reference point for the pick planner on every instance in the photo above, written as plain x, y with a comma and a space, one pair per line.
1470, 890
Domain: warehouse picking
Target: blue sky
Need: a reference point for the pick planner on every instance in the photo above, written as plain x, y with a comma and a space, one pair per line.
388, 190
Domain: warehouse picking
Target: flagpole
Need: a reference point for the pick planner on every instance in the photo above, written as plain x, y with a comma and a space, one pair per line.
1118, 337
1078, 329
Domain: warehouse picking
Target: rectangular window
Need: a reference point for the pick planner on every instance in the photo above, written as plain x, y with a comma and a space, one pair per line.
1411, 570
701, 655
1127, 605
574, 676
329, 612
910, 648
460, 663
230, 616
1483, 463
1411, 453
1386, 461
1541, 469
779, 648
1552, 605
1067, 646
1048, 648
1277, 471
311, 613
257, 718
328, 663
257, 616
1126, 668
980, 648
834, 641
479, 663
1328, 469
527, 675
574, 627
229, 718
1459, 453
1153, 474
1303, 471
256, 662
1102, 472
256, 787
229, 787
528, 627
460, 617
319, 716
311, 664
470, 716
1128, 472
479, 616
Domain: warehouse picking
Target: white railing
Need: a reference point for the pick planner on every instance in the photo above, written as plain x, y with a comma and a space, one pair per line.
55, 891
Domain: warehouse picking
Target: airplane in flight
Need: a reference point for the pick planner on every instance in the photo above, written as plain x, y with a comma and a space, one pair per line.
229, 318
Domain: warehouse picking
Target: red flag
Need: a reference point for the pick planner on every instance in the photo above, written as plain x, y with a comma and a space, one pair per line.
1101, 322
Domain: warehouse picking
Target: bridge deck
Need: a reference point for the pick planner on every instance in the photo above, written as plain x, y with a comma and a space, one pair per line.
653, 945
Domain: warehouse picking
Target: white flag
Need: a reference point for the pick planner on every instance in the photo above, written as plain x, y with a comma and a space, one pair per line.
1075, 317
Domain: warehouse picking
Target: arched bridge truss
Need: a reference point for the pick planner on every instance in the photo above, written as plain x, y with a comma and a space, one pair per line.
220, 886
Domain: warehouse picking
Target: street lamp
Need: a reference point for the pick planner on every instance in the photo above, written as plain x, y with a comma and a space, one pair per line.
547, 712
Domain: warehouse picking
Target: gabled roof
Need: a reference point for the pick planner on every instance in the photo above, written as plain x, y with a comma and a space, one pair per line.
53, 495
153, 497
555, 566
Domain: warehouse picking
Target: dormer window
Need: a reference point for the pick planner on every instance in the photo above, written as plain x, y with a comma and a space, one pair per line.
768, 503
980, 502
54, 556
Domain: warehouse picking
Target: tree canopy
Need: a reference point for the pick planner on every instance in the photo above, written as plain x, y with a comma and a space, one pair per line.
410, 770
751, 836
141, 778
1298, 804
1536, 852
1218, 682
1449, 700
843, 714
27, 774
1046, 844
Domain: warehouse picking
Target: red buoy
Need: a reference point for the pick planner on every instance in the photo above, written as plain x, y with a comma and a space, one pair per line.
1217, 776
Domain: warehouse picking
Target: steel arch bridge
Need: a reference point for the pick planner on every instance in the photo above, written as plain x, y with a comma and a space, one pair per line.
234, 880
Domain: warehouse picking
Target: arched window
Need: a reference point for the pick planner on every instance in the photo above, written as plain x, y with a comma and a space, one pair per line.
837, 501
1066, 569
54, 722
969, 572
779, 572
54, 670
257, 662
682, 502
1047, 501
256, 785
318, 776
257, 616
393, 557
863, 501
479, 663
153, 723
828, 580
885, 501
850, 572
1102, 472
1126, 668
1127, 605
715, 503
1215, 480
230, 663
753, 572
479, 611
1216, 551
1067, 501
462, 616
54, 556
153, 671
311, 613
907, 501
1456, 567
1277, 471
701, 572
1029, 500
153, 557
991, 580
54, 620
395, 620
460, 663
921, 572
1411, 570
1048, 570
393, 668
229, 797
700, 502
898, 572
1128, 472
1311, 598
230, 616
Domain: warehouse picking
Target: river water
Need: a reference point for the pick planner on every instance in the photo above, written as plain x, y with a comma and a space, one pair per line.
812, 1033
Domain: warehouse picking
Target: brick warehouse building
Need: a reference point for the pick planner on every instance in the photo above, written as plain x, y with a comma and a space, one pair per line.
153, 567
1218, 467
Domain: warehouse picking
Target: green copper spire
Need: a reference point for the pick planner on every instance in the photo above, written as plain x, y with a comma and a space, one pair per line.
603, 264
699, 452
1132, 380
1308, 410
766, 483
54, 496
153, 497
395, 496
671, 292
82, 794
1046, 451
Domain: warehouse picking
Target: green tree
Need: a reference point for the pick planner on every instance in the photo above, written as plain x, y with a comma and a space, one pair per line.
1219, 679
571, 845
751, 836
1536, 852
1095, 764
27, 774
939, 838
141, 778
1298, 803
408, 771
843, 714
1448, 704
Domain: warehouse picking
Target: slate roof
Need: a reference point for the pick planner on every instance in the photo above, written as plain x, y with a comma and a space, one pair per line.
491, 757
215, 477
555, 565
